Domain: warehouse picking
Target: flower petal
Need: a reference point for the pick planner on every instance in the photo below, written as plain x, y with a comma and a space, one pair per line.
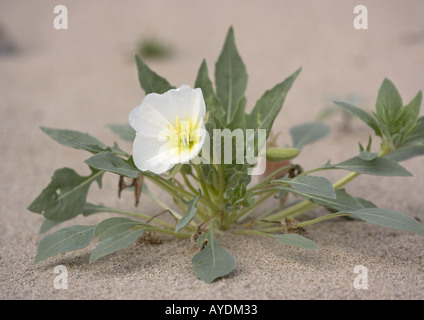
144, 150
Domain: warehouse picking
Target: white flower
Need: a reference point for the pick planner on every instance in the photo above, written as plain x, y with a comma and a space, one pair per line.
169, 127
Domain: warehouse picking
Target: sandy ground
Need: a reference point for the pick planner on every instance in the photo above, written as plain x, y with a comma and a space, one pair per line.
84, 77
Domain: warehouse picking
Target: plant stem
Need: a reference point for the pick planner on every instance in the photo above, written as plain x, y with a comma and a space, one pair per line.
243, 214
139, 215
329, 216
173, 233
269, 177
206, 191
187, 182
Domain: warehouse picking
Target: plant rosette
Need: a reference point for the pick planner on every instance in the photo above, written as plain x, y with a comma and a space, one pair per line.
200, 146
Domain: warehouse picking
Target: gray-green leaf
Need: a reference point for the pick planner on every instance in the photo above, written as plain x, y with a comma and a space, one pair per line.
388, 218
65, 137
269, 105
109, 161
361, 114
124, 131
293, 239
378, 166
230, 77
406, 152
389, 103
343, 201
113, 226
149, 80
307, 133
189, 215
212, 102
313, 185
115, 243
70, 200
212, 261
64, 240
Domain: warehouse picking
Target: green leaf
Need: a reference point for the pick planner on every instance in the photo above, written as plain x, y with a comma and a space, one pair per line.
269, 105
113, 226
389, 218
405, 153
378, 166
65, 137
213, 261
412, 110
108, 161
213, 105
368, 156
124, 131
366, 203
150, 81
417, 135
93, 148
230, 77
311, 185
239, 118
64, 240
47, 225
343, 201
189, 215
308, 133
297, 240
115, 243
389, 104
90, 209
361, 114
70, 200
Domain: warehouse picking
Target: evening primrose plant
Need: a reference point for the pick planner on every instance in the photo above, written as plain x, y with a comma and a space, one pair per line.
199, 145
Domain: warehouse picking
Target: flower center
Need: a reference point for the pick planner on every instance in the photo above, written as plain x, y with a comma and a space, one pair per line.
183, 135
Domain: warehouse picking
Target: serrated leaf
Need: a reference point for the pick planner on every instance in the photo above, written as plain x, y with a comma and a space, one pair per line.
64, 240
361, 114
115, 243
378, 166
113, 226
65, 137
124, 131
189, 215
150, 81
212, 261
308, 133
405, 153
213, 104
269, 105
388, 218
65, 195
108, 161
312, 185
297, 240
230, 77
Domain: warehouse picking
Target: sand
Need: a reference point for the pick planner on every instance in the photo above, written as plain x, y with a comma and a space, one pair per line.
85, 77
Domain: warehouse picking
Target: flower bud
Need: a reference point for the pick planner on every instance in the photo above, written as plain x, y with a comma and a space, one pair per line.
280, 154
